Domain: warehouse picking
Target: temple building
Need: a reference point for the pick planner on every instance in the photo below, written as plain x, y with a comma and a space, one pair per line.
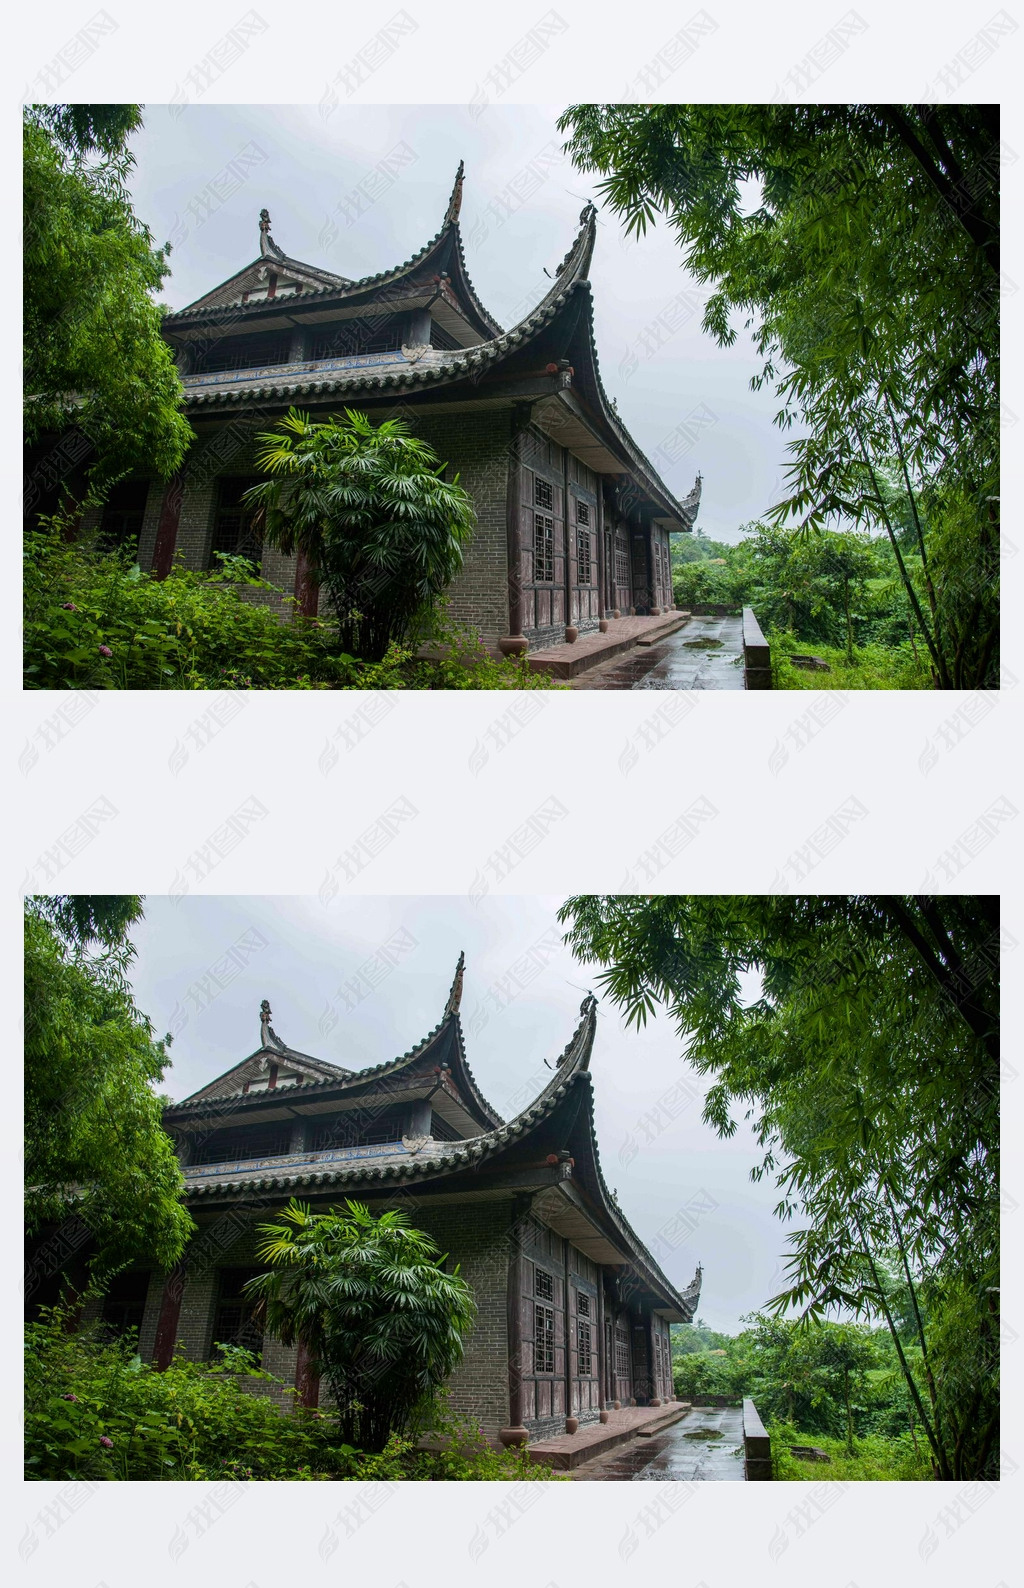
572, 520
573, 1312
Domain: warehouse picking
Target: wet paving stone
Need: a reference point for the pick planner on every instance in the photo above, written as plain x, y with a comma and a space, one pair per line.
704, 1447
705, 654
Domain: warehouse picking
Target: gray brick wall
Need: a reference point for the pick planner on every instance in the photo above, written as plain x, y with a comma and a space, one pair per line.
475, 1235
473, 445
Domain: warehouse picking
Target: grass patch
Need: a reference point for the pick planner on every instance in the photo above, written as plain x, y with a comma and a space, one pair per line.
875, 1459
704, 1433
873, 666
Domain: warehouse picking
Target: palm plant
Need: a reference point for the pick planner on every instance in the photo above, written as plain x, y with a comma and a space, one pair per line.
369, 1298
366, 505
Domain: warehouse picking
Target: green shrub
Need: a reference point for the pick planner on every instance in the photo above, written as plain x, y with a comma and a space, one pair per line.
95, 1411
700, 1373
94, 620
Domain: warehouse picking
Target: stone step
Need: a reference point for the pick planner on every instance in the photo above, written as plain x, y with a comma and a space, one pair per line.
565, 1452
568, 661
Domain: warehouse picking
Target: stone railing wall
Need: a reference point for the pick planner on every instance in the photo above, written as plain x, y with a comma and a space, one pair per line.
757, 1449
757, 662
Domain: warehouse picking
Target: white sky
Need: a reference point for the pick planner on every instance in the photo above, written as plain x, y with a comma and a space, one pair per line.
205, 171
687, 1194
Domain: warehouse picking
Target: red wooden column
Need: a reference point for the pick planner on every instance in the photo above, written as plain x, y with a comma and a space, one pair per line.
307, 1382
167, 530
170, 1312
307, 591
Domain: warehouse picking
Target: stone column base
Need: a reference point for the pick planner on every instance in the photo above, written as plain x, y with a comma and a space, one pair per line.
513, 645
513, 1436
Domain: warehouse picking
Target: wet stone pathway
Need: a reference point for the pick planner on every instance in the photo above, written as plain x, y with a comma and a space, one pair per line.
707, 653
704, 1447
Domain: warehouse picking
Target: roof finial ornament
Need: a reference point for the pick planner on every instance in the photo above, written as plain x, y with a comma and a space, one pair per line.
265, 237
455, 996
265, 1031
455, 202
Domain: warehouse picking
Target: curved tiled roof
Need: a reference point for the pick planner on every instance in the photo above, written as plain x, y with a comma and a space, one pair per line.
445, 1159
454, 1155
448, 239
437, 368
334, 1077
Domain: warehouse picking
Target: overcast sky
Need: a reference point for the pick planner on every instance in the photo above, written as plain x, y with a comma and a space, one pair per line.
360, 981
358, 189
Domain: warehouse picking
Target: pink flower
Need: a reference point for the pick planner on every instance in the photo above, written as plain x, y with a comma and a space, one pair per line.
105, 650
108, 1444
69, 606
69, 1397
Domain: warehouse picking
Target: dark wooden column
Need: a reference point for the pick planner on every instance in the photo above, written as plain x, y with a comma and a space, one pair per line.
515, 643
604, 610
515, 1433
307, 591
167, 530
602, 1345
569, 1342
652, 1356
307, 1382
170, 1312
639, 1344
568, 536
648, 530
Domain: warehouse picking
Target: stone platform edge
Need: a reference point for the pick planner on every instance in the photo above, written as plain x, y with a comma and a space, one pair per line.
567, 661
564, 1454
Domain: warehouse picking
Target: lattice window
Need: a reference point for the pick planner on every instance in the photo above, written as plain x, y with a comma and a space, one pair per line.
353, 1130
621, 1351
542, 493
583, 560
234, 527
584, 1349
582, 1304
543, 1284
123, 512
583, 513
544, 1340
233, 1322
247, 352
354, 337
256, 1141
543, 548
621, 560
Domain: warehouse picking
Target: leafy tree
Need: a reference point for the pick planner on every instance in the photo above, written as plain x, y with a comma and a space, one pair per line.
368, 506
859, 243
94, 357
95, 1149
371, 1300
868, 1064
690, 1337
813, 584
